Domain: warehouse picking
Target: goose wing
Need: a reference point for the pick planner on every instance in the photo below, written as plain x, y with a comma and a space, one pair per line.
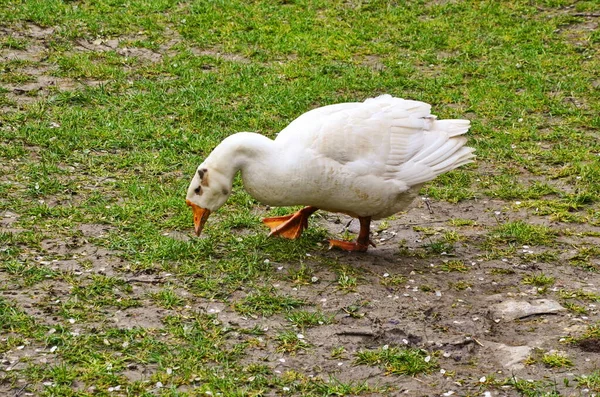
387, 137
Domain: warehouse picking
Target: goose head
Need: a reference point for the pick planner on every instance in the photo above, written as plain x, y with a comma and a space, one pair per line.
208, 191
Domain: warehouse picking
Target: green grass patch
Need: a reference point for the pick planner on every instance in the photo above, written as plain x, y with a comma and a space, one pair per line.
291, 342
520, 232
590, 382
539, 280
307, 319
556, 360
397, 360
266, 302
454, 266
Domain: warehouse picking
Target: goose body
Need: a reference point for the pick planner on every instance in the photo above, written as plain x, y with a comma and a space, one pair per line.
365, 159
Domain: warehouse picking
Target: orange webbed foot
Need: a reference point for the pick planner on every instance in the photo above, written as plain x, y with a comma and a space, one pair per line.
350, 246
289, 226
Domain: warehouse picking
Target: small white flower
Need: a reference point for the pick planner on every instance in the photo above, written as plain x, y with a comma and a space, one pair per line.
386, 274
300, 336
427, 359
482, 379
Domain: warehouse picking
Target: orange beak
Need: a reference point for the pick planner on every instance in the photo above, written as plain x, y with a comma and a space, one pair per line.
200, 216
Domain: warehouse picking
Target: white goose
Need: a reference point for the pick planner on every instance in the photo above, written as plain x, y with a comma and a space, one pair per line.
365, 159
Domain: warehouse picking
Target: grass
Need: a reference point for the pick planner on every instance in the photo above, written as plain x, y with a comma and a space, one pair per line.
589, 340
556, 360
521, 232
266, 302
541, 281
403, 361
590, 382
454, 266
290, 342
532, 388
94, 167
307, 319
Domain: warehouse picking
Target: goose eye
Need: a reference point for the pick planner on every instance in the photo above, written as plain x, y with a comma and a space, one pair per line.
198, 190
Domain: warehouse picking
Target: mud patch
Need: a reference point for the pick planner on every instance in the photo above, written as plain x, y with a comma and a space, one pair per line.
147, 317
579, 34
77, 254
100, 45
7, 220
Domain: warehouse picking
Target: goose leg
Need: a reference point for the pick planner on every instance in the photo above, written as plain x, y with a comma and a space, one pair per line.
362, 242
290, 226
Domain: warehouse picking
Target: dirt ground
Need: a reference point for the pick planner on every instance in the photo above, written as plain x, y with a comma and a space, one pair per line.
401, 299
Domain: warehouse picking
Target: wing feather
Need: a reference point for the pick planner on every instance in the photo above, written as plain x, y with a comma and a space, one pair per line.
385, 136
